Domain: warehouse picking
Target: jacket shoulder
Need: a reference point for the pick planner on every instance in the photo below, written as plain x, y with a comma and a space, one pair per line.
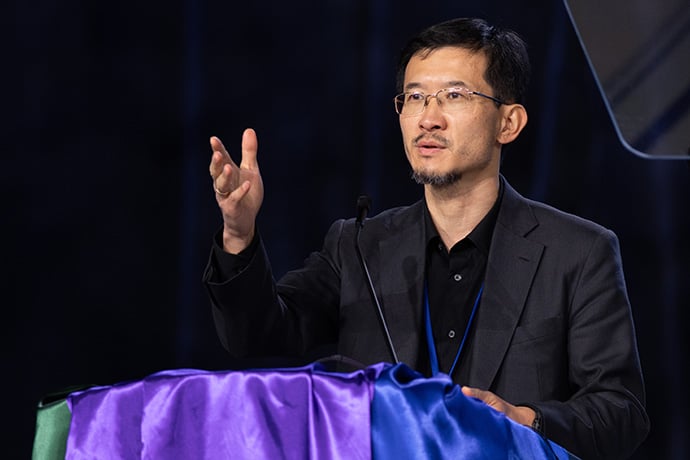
527, 217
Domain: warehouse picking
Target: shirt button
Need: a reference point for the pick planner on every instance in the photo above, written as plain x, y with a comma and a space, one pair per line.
457, 277
451, 334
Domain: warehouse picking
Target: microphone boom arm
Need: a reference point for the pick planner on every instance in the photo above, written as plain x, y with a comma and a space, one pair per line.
363, 204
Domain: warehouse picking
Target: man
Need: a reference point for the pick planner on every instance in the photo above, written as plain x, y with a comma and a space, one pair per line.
524, 305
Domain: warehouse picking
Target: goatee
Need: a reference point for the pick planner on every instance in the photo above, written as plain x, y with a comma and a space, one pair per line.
437, 180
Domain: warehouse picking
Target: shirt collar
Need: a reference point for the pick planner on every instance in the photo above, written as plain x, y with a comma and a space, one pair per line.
480, 236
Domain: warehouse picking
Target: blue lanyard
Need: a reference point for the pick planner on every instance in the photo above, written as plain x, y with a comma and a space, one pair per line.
431, 344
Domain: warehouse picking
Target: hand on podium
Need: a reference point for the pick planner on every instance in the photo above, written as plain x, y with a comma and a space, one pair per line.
521, 414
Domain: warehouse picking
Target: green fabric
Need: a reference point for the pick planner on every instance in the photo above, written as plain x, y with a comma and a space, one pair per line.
52, 427
53, 418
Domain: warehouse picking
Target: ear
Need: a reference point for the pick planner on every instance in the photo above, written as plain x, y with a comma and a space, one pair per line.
514, 118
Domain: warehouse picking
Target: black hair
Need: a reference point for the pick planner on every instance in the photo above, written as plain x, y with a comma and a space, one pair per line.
508, 68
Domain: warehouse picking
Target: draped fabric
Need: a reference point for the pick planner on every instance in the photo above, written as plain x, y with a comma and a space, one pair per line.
52, 427
434, 417
301, 413
380, 412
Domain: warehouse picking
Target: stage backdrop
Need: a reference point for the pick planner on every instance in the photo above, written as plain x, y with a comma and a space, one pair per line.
108, 208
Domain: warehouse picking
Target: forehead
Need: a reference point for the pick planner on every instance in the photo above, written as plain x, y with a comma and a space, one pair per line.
447, 66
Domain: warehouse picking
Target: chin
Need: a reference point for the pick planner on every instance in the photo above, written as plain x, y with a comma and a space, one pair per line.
435, 178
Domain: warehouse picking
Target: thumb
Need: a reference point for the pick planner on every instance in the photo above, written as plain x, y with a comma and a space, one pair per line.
250, 146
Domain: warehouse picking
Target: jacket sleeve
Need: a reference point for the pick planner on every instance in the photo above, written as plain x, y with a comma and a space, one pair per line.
255, 316
605, 416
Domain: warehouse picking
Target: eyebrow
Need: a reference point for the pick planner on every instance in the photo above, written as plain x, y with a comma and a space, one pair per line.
450, 84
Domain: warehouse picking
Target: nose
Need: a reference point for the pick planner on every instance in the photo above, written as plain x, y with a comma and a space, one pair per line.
432, 117
427, 100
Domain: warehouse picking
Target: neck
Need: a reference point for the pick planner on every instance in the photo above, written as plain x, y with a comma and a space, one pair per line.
456, 210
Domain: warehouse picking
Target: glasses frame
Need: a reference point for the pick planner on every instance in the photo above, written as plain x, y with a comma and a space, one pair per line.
427, 97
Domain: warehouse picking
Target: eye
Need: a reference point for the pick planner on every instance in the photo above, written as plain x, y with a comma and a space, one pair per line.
455, 94
414, 97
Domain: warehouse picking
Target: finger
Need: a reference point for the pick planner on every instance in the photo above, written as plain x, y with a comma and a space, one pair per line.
468, 391
222, 182
474, 392
217, 146
216, 165
219, 158
239, 192
250, 147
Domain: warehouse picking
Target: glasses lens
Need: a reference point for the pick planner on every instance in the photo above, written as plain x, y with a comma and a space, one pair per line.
409, 103
453, 99
399, 103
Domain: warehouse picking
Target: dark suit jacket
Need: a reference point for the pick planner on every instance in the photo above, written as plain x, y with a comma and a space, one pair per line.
554, 328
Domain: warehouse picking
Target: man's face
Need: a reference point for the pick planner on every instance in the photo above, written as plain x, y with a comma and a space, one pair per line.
451, 145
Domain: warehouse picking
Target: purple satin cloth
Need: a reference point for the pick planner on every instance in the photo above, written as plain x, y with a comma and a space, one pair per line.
301, 413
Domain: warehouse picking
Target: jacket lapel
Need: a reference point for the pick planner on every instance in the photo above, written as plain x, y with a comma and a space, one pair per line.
513, 262
401, 275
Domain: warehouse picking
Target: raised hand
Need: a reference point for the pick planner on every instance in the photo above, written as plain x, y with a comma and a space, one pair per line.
239, 191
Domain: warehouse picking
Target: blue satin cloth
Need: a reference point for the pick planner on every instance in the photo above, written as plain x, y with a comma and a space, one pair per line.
380, 412
430, 418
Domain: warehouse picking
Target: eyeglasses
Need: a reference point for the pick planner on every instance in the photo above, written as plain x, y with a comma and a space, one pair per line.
449, 100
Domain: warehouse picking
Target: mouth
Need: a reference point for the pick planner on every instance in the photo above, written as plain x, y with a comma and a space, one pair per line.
429, 145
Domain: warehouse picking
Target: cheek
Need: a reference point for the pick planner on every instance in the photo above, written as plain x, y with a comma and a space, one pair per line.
407, 126
475, 129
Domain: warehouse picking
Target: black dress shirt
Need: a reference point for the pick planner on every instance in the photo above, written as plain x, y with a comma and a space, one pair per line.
454, 278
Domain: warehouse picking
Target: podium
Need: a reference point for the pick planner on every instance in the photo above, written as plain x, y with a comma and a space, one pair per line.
384, 411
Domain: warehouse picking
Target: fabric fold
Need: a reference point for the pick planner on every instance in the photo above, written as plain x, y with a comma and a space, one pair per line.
300, 413
434, 419
383, 412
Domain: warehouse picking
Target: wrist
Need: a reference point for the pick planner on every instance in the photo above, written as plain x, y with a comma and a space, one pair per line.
524, 415
234, 244
536, 419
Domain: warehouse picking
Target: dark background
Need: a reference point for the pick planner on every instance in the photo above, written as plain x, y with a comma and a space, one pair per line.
109, 211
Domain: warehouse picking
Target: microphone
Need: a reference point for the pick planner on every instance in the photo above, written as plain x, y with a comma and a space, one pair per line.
363, 205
